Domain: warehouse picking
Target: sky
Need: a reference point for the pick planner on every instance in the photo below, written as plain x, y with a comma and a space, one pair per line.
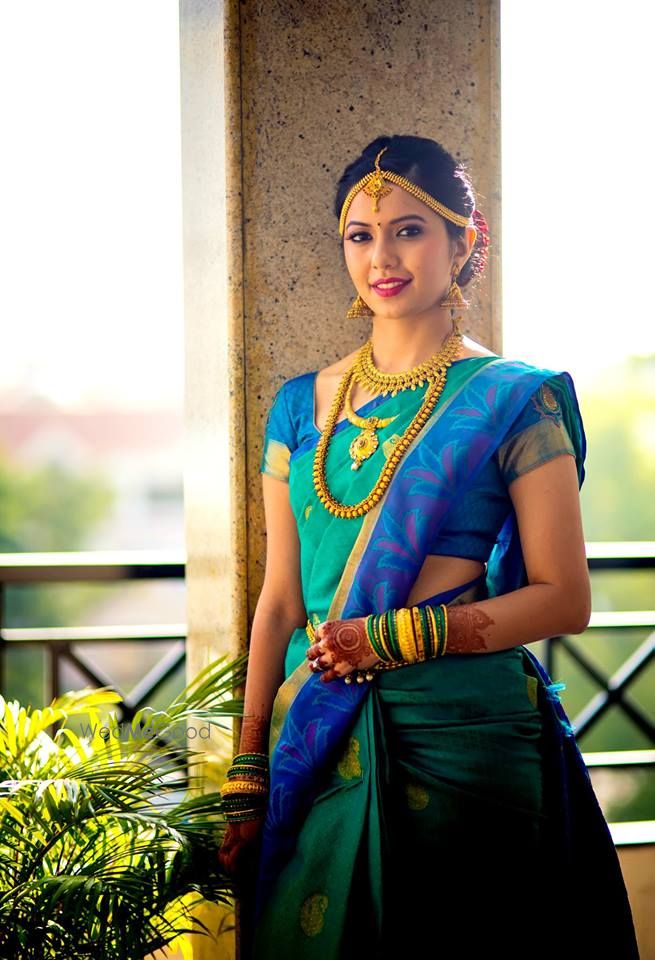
90, 194
578, 204
90, 231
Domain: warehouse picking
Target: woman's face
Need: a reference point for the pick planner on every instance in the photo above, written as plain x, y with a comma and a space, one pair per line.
405, 241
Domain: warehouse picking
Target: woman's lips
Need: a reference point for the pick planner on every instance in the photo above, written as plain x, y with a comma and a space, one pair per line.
391, 287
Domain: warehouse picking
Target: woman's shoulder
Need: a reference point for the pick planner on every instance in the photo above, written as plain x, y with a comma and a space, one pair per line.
470, 348
337, 369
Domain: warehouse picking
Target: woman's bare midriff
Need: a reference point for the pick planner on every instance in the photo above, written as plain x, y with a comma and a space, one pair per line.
441, 573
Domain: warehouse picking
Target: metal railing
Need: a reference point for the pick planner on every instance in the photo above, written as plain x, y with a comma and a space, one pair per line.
107, 567
59, 642
614, 689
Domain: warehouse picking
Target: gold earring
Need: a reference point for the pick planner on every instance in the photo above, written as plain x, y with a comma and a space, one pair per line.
358, 308
454, 296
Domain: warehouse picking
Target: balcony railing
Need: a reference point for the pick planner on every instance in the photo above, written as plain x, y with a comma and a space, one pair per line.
62, 643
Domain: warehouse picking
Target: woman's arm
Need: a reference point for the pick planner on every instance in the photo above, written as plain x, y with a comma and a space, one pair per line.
280, 609
558, 596
557, 599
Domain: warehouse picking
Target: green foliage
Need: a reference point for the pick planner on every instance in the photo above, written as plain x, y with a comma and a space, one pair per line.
50, 509
105, 845
619, 418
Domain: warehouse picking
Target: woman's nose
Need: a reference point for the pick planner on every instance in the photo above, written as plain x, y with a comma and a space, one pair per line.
383, 254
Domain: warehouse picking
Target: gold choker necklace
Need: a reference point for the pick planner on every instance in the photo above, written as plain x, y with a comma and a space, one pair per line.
375, 381
364, 371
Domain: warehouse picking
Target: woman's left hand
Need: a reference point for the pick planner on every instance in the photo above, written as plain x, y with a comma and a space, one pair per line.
341, 647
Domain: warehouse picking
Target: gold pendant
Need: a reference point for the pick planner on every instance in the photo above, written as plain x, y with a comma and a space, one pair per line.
363, 446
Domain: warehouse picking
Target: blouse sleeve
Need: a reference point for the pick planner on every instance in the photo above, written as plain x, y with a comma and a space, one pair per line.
279, 438
537, 435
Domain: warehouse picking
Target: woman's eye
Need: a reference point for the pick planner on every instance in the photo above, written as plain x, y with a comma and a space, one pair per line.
361, 235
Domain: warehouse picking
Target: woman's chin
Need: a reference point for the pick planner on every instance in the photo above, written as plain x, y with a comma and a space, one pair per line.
404, 312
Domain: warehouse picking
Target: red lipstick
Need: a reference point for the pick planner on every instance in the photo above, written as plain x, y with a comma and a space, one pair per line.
390, 286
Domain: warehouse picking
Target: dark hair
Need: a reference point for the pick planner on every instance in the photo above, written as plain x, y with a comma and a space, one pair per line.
427, 164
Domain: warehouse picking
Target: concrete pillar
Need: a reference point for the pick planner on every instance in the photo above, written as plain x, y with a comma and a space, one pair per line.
277, 97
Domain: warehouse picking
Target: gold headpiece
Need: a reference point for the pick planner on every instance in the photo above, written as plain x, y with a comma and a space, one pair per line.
373, 186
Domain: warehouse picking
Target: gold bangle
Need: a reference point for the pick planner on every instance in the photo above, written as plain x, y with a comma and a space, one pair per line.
435, 631
419, 639
407, 648
431, 648
384, 631
243, 787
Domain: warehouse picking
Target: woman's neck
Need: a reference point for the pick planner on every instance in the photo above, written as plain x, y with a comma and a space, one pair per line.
400, 344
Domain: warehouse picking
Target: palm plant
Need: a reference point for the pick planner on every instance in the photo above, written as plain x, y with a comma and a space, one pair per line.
106, 843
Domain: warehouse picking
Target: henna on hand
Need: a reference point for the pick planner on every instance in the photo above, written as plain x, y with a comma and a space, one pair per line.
466, 623
341, 646
254, 734
346, 640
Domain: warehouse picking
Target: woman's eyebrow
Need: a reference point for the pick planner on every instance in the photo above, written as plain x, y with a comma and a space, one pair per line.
407, 216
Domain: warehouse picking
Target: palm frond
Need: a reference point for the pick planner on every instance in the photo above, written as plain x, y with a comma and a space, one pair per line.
104, 846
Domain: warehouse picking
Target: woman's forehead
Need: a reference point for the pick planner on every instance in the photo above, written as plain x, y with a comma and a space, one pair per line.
396, 203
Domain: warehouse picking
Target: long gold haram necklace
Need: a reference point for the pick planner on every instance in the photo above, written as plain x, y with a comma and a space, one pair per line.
433, 370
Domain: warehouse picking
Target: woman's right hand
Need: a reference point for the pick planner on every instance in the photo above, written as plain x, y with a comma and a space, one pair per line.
237, 850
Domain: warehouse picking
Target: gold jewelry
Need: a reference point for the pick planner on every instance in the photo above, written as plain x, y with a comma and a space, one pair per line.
454, 297
365, 443
406, 636
375, 381
373, 186
434, 631
358, 308
242, 787
433, 370
360, 675
445, 629
418, 632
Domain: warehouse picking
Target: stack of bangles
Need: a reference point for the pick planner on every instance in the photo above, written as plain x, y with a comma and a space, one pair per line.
401, 637
245, 792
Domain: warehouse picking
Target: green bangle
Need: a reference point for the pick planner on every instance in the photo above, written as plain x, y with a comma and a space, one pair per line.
383, 633
242, 801
394, 645
444, 630
250, 771
439, 616
426, 635
434, 634
372, 639
255, 759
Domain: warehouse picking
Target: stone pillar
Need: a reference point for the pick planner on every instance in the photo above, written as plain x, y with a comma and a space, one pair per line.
215, 394
277, 97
